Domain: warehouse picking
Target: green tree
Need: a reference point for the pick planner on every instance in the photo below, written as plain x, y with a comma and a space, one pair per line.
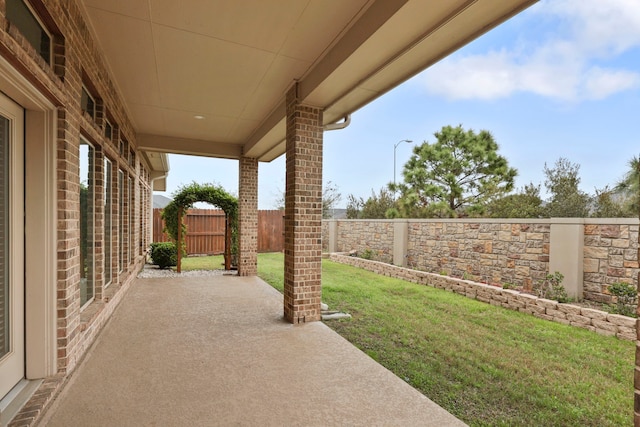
456, 175
629, 186
354, 206
567, 200
377, 206
611, 204
330, 198
527, 203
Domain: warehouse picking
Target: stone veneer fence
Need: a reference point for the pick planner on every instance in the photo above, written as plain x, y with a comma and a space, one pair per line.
587, 318
591, 253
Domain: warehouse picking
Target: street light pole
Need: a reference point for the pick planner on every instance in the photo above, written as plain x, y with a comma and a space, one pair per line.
394, 159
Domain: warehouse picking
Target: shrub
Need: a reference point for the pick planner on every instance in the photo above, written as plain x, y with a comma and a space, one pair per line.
626, 295
551, 288
164, 254
367, 254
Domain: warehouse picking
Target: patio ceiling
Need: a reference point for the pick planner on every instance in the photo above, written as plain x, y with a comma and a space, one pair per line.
208, 77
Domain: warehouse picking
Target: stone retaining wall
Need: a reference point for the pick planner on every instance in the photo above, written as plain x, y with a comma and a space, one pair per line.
513, 251
594, 320
375, 236
610, 256
494, 253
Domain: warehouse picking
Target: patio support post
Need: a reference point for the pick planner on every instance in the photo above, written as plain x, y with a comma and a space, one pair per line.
303, 211
248, 217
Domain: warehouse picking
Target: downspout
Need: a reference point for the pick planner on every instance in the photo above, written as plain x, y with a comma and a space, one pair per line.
346, 121
338, 125
155, 176
332, 126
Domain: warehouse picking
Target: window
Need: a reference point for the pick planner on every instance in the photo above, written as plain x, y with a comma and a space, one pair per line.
143, 219
88, 103
108, 130
21, 15
108, 212
121, 220
87, 221
5, 253
131, 220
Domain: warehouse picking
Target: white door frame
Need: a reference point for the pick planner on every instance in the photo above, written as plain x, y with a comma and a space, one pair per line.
40, 221
12, 367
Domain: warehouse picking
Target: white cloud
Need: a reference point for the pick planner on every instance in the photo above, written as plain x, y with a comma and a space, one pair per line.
600, 83
599, 26
481, 77
563, 66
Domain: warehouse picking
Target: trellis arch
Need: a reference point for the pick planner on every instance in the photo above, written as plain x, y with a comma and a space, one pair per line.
184, 198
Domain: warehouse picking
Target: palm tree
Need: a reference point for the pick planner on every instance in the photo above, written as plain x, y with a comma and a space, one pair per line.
629, 185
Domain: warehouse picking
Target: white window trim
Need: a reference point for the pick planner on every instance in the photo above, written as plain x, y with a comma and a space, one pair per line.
40, 222
121, 204
83, 140
106, 235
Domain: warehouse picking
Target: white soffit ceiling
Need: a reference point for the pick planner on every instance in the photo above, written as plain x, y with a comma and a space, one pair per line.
232, 61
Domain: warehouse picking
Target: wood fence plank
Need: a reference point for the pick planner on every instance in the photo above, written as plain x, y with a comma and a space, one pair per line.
205, 231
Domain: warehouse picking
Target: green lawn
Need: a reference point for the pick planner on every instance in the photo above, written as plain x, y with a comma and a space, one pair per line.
484, 364
215, 262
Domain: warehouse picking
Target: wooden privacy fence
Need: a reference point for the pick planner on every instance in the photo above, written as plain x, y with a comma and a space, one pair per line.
271, 231
205, 231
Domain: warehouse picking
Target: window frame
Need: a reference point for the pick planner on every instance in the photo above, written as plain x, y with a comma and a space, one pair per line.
108, 125
87, 93
90, 226
121, 216
131, 219
43, 27
108, 222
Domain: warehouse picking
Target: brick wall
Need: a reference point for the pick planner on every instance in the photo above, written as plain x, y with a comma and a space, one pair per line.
248, 217
77, 61
498, 251
303, 212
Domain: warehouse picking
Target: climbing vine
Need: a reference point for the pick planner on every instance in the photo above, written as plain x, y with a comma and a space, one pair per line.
189, 194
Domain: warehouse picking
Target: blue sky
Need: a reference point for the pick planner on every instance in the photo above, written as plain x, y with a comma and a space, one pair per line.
561, 79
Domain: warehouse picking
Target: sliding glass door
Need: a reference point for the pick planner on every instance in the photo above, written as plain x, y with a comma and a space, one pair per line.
11, 245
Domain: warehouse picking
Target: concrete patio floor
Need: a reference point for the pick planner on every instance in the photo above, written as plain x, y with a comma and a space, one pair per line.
203, 351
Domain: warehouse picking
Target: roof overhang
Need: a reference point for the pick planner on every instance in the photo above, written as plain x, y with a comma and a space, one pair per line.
209, 78
159, 169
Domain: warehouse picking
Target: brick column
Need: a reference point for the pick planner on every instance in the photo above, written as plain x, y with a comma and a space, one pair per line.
248, 217
68, 256
303, 212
